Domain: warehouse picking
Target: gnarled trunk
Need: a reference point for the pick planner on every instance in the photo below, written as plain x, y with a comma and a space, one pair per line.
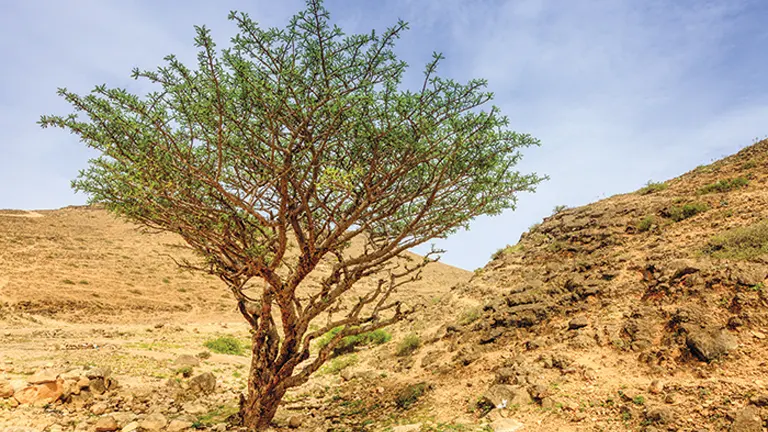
265, 390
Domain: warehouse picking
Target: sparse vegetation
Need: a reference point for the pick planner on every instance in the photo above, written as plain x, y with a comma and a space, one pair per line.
410, 395
410, 343
724, 185
349, 343
679, 213
646, 223
559, 208
507, 250
337, 364
185, 371
749, 165
67, 282
225, 345
740, 243
469, 316
652, 187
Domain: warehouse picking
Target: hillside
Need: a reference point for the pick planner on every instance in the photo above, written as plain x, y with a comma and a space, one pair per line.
645, 311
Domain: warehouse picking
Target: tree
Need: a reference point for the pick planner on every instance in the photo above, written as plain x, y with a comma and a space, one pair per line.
299, 136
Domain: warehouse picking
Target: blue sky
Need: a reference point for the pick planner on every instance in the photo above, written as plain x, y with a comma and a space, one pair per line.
618, 91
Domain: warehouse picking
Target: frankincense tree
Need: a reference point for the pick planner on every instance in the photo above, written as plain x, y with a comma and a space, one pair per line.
299, 136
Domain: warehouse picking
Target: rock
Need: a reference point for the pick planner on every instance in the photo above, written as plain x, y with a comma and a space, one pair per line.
660, 414
710, 344
538, 391
130, 427
194, 409
506, 425
656, 387
40, 394
760, 400
6, 389
186, 361
294, 422
83, 382
154, 422
578, 322
97, 386
98, 373
43, 376
204, 383
758, 335
106, 424
178, 425
748, 420
504, 396
98, 408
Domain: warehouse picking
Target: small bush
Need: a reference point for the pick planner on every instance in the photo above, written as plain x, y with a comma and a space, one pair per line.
652, 187
740, 243
507, 250
749, 165
646, 223
559, 208
67, 282
724, 185
202, 355
679, 213
469, 316
338, 364
349, 343
410, 395
84, 282
185, 371
225, 345
408, 345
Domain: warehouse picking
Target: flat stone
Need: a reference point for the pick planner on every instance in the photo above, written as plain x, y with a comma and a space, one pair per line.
578, 322
40, 394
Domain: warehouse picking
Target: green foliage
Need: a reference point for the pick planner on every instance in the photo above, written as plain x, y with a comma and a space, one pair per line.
185, 371
507, 250
225, 345
679, 213
470, 315
220, 414
410, 395
67, 282
534, 227
646, 223
559, 208
745, 243
410, 343
652, 187
724, 185
638, 400
749, 165
337, 364
349, 343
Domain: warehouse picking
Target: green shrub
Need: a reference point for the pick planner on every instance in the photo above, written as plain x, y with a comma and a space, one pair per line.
652, 187
559, 208
338, 364
67, 282
740, 243
749, 165
469, 316
408, 345
410, 395
507, 250
185, 371
724, 185
349, 343
225, 345
678, 213
646, 223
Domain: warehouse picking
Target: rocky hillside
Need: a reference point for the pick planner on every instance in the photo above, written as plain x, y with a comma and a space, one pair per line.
644, 311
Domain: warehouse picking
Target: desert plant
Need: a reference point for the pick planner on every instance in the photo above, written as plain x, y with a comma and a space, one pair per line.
646, 223
303, 136
747, 242
679, 213
410, 343
225, 345
470, 315
410, 395
724, 185
349, 343
338, 364
559, 208
652, 187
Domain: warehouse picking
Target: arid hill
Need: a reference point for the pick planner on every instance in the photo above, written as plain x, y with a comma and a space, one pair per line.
646, 311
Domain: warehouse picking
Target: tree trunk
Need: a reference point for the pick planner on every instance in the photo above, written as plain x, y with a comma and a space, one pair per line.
260, 407
265, 388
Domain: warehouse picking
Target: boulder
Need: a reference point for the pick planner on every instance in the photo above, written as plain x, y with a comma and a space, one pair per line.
154, 422
6, 389
710, 344
40, 394
504, 396
43, 376
98, 373
748, 420
294, 422
97, 386
99, 408
186, 360
106, 424
578, 322
203, 384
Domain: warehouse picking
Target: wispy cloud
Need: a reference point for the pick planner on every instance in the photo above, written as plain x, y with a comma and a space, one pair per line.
619, 91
